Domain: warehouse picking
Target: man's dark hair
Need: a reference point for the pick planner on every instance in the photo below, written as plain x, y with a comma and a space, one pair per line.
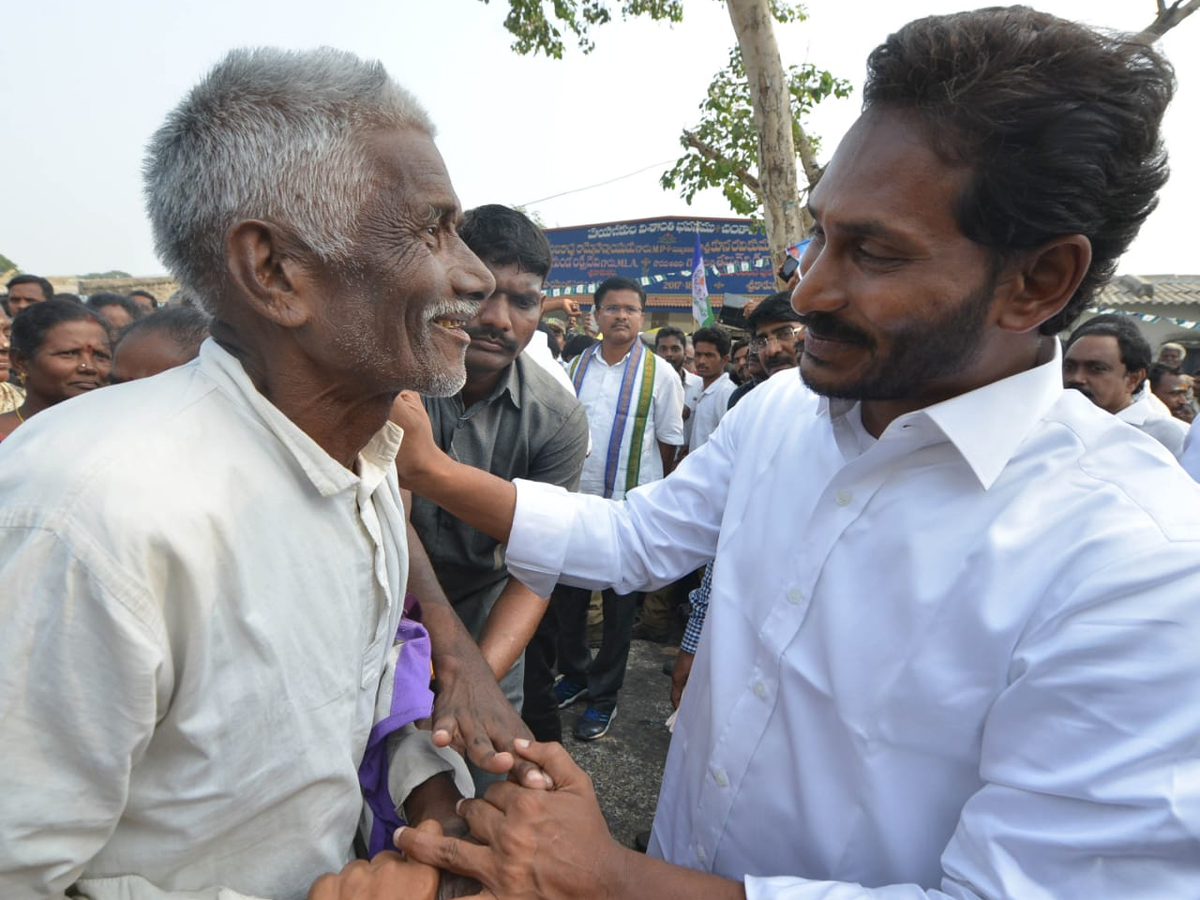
715, 335
670, 331
149, 296
618, 283
31, 325
186, 326
1058, 123
47, 287
576, 345
1159, 371
74, 298
1134, 348
544, 328
99, 301
504, 237
776, 308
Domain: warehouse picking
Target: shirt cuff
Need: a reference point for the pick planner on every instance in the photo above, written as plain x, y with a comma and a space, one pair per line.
537, 543
413, 759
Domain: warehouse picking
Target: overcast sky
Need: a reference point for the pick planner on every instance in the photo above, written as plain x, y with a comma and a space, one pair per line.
85, 84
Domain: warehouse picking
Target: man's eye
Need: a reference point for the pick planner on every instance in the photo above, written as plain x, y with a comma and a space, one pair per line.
867, 255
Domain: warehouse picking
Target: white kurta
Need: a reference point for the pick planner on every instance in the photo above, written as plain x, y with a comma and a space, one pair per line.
959, 661
599, 395
1148, 414
197, 602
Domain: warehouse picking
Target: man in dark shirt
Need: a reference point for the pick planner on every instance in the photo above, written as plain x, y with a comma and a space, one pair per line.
511, 419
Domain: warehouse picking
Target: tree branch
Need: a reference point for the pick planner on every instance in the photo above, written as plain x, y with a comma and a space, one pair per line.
1167, 18
711, 153
808, 158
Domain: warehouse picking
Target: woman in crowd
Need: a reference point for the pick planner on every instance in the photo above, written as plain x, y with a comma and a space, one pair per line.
61, 350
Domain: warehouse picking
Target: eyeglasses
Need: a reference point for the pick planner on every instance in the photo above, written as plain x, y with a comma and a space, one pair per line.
783, 335
616, 308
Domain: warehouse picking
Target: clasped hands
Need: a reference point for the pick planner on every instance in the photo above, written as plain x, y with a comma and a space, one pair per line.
545, 844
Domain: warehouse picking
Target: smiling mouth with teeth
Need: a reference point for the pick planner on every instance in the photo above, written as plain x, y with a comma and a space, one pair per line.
450, 323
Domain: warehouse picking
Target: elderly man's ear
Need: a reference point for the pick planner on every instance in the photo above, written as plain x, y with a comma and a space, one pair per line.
265, 270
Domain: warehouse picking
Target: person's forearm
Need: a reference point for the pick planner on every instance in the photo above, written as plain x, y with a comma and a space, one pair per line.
667, 451
479, 498
436, 799
510, 626
448, 637
638, 875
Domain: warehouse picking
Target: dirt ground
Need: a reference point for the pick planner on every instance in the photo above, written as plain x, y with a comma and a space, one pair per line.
626, 764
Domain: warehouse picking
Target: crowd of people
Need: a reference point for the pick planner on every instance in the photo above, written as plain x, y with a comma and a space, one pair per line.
931, 549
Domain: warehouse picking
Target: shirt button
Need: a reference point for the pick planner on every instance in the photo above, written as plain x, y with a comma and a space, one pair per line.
795, 595
720, 779
760, 690
843, 498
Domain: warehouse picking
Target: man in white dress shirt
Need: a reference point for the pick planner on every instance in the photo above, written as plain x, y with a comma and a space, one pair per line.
195, 647
951, 648
1107, 360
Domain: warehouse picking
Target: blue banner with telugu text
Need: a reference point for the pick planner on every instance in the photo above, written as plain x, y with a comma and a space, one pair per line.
658, 254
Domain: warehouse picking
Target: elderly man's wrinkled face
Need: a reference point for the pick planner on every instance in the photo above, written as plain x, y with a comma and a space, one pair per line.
396, 320
1170, 356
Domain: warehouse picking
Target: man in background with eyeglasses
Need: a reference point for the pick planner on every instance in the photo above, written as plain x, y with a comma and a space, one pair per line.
778, 338
634, 405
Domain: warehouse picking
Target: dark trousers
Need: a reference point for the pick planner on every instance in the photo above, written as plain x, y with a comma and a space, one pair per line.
540, 711
605, 673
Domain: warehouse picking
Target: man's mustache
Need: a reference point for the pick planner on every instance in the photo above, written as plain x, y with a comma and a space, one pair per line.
495, 337
827, 325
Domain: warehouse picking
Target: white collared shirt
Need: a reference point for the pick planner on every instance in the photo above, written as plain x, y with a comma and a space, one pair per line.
599, 394
710, 408
1150, 415
197, 604
1190, 458
958, 662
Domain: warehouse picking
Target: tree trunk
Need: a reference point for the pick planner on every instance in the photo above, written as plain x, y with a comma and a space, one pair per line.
782, 213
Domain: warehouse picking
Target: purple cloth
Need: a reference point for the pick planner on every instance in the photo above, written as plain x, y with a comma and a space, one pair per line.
412, 699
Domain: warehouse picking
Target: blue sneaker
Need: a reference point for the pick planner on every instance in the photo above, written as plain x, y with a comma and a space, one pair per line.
568, 692
594, 723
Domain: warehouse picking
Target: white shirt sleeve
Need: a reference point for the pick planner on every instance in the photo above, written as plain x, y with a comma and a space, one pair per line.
656, 534
1190, 457
668, 405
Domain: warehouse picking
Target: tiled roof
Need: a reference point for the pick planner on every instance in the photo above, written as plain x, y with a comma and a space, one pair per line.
1156, 290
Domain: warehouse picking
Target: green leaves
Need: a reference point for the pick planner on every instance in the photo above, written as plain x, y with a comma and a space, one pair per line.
535, 32
722, 151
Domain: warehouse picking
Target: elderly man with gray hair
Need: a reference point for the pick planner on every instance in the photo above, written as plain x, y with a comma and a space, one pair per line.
200, 649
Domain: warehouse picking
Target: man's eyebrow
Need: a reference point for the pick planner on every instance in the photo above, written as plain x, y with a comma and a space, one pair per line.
865, 228
439, 211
